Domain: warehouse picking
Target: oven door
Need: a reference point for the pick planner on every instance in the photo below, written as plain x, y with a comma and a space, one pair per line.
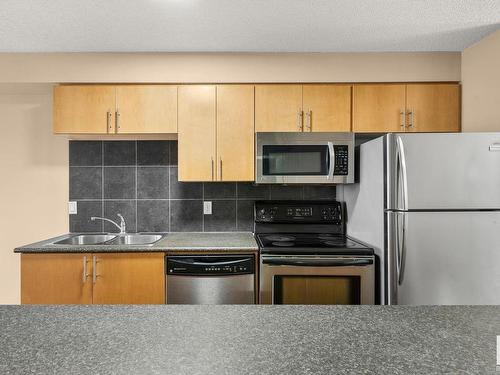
318, 158
317, 280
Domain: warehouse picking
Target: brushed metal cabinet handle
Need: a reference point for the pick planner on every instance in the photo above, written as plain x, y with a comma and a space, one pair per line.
403, 118
300, 120
94, 269
117, 121
212, 168
108, 122
412, 118
84, 275
308, 121
220, 169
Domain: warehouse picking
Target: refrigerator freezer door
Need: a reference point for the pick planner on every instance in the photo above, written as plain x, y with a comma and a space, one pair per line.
443, 171
448, 258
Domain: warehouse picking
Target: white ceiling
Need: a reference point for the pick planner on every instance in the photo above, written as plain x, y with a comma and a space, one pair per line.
244, 25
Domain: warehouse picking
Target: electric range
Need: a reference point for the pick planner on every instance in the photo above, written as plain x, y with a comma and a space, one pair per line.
306, 257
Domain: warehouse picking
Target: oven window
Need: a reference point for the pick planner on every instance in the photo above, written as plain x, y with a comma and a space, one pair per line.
299, 160
317, 290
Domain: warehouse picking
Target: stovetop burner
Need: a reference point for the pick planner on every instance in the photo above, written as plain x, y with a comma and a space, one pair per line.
282, 244
280, 238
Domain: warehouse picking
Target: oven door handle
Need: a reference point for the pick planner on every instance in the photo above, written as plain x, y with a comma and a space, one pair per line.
302, 262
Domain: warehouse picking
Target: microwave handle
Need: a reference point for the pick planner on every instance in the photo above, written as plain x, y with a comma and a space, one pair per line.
331, 160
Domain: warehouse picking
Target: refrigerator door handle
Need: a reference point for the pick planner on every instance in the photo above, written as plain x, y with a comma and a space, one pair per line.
401, 175
402, 255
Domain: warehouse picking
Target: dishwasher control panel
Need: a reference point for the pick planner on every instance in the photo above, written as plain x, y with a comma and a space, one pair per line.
207, 265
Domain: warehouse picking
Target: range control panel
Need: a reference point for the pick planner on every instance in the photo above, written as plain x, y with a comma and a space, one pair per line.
303, 212
341, 167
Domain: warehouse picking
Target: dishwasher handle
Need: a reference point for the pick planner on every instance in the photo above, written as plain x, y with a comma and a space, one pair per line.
318, 262
210, 265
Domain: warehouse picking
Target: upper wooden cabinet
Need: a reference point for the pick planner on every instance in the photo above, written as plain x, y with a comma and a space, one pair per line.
110, 109
196, 128
146, 109
433, 107
84, 109
327, 108
297, 108
235, 133
381, 108
216, 133
278, 108
378, 108
124, 278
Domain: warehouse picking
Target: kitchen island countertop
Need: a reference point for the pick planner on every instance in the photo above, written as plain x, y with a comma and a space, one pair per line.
249, 339
172, 242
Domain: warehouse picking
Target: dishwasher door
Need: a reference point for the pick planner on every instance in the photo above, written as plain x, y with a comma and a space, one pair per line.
210, 279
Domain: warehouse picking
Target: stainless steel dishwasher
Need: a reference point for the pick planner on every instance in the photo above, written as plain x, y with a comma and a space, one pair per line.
210, 279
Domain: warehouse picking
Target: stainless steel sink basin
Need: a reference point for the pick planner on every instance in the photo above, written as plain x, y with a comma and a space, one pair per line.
135, 239
86, 239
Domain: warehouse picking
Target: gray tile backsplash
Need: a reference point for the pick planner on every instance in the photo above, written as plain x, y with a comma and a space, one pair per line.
139, 180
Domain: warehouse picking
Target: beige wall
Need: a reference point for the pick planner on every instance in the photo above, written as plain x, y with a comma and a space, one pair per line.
224, 67
481, 85
34, 178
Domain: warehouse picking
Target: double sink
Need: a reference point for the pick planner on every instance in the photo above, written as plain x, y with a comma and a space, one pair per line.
111, 239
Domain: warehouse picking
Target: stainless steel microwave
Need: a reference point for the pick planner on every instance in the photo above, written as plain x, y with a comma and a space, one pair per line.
304, 158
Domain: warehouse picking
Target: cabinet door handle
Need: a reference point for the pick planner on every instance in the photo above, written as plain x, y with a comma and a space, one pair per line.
410, 112
85, 274
108, 122
308, 121
300, 116
403, 119
212, 168
94, 269
220, 168
117, 121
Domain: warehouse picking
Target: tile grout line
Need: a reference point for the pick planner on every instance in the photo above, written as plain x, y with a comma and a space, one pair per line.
136, 178
169, 170
203, 207
102, 185
236, 203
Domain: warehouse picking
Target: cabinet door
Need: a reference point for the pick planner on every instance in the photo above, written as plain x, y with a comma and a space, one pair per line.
56, 279
278, 108
196, 140
327, 108
433, 107
129, 278
235, 133
146, 109
378, 108
81, 109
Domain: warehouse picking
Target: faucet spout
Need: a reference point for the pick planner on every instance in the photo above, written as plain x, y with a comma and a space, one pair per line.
122, 226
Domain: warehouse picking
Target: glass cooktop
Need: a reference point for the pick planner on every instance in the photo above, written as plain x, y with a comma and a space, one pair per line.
310, 243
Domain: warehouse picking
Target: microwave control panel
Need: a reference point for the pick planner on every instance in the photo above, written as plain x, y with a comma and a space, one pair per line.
341, 167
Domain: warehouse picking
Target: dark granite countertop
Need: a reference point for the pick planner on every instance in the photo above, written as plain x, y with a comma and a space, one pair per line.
248, 339
172, 242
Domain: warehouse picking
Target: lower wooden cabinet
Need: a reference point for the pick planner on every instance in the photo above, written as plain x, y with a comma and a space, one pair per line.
99, 278
56, 279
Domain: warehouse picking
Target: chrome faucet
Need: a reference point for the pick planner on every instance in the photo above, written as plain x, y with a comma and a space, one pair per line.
122, 226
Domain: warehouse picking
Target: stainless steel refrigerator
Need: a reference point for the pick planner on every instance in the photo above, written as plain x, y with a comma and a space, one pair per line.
430, 205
